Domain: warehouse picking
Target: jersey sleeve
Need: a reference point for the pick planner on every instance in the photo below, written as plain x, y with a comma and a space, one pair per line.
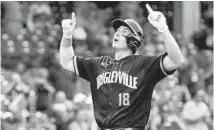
156, 67
85, 67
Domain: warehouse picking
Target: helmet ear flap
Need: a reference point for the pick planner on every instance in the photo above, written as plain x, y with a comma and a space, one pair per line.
133, 42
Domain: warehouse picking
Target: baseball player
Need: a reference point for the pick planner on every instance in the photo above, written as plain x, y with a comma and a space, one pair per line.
122, 86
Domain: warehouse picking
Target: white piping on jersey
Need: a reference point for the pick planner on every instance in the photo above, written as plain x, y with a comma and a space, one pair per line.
117, 77
161, 66
75, 66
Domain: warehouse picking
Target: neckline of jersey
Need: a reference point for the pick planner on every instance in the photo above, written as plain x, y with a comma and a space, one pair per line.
123, 58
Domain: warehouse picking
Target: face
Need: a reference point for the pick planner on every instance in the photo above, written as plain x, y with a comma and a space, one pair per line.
119, 40
199, 96
60, 96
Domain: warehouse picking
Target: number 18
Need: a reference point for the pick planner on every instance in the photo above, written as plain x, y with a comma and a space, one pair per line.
124, 99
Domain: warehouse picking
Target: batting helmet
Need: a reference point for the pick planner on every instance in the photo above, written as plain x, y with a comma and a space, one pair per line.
134, 40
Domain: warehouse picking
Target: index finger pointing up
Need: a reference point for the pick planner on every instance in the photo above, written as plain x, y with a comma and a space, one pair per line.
73, 16
149, 8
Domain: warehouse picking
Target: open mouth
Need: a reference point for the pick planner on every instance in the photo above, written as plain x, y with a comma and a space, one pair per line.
116, 40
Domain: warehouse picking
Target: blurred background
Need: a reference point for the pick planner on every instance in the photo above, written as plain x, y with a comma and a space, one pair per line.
38, 94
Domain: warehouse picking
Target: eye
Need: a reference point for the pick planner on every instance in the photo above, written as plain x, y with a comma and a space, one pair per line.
126, 32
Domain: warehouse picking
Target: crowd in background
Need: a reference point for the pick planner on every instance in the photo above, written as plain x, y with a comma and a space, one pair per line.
38, 94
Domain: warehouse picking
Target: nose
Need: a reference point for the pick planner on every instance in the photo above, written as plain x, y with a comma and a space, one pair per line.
117, 34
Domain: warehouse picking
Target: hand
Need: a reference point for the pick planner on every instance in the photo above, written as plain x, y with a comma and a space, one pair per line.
157, 19
68, 26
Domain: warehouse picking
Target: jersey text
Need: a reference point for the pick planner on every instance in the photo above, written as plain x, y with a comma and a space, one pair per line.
117, 77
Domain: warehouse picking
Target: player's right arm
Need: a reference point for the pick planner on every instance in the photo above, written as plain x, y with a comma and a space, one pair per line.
85, 68
66, 48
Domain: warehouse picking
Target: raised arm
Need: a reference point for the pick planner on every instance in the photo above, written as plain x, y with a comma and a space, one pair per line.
66, 48
174, 58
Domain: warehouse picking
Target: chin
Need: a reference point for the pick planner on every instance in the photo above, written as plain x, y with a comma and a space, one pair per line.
114, 45
119, 45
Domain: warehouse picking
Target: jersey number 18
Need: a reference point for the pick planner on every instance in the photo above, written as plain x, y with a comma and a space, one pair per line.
124, 99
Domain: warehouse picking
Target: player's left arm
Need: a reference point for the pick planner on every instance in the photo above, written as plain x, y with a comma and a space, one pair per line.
174, 58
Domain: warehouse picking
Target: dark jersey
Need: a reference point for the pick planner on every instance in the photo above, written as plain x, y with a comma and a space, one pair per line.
121, 89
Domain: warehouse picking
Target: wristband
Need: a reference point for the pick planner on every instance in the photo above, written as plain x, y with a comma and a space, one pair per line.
162, 29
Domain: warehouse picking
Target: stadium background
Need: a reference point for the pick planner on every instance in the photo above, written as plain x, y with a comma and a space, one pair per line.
38, 94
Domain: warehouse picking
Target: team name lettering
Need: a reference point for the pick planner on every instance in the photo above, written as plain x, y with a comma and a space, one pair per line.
117, 77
